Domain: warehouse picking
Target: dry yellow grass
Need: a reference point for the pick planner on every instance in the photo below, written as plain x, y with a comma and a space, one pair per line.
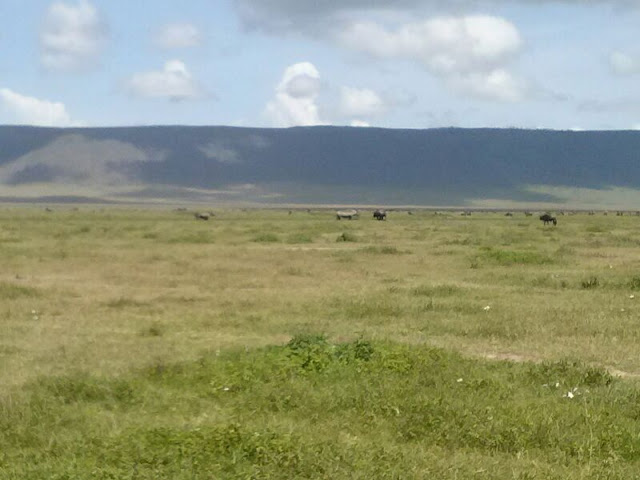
114, 289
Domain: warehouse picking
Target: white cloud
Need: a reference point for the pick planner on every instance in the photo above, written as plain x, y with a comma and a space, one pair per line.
444, 45
295, 100
174, 81
359, 123
624, 64
361, 102
72, 36
469, 52
494, 85
33, 111
178, 35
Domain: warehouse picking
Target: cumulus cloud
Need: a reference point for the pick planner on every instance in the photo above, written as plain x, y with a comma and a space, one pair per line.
624, 63
295, 102
174, 81
361, 102
72, 36
27, 110
469, 52
444, 44
178, 35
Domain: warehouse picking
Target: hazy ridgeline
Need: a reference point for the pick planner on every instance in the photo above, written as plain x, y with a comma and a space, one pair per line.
261, 344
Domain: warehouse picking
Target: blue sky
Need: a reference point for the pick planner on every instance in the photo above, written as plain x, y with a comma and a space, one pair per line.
572, 64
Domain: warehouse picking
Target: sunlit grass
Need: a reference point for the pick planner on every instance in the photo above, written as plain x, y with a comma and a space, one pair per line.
94, 301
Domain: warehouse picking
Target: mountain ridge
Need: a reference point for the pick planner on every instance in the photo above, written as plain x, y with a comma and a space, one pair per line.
321, 164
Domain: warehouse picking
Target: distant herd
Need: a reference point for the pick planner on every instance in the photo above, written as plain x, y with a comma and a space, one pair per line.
381, 214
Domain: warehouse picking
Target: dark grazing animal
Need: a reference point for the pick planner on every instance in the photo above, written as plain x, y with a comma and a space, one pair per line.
380, 214
546, 218
201, 216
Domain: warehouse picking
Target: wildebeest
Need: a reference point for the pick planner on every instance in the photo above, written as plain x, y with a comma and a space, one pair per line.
201, 216
380, 214
348, 214
546, 218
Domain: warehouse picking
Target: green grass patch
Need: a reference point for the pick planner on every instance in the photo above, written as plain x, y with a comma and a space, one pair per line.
317, 409
192, 237
295, 238
11, 291
513, 257
634, 283
436, 290
266, 238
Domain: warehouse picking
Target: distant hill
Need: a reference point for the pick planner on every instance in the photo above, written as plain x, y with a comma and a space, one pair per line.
329, 165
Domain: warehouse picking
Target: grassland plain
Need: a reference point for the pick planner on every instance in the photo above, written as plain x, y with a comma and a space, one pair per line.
141, 343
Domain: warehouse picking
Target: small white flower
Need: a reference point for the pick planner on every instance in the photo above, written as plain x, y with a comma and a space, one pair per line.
459, 380
226, 389
33, 312
487, 308
557, 384
569, 395
632, 296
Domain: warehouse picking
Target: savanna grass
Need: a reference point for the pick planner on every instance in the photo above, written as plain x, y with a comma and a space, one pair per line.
317, 409
141, 343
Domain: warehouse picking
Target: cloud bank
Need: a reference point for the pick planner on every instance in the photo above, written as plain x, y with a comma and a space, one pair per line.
27, 110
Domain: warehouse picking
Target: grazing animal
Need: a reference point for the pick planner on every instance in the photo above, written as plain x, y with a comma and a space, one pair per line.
380, 214
546, 218
508, 214
201, 216
347, 214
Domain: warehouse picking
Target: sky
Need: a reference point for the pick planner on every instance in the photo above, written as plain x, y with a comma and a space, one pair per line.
557, 64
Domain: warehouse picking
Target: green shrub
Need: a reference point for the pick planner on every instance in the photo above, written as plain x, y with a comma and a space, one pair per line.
346, 237
591, 282
634, 283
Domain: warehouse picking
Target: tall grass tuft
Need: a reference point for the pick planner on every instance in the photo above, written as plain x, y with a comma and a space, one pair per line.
11, 291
